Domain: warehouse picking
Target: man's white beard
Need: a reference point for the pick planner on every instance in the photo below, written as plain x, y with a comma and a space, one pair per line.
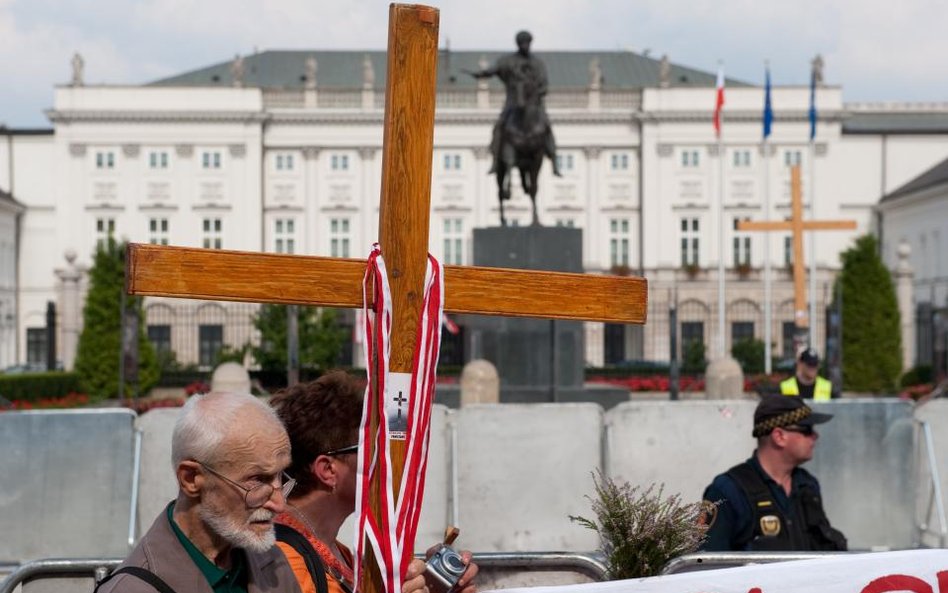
240, 535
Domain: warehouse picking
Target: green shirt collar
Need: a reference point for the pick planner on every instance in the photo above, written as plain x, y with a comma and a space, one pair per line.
222, 581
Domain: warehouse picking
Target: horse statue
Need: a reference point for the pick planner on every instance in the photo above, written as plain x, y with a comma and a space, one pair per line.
523, 140
522, 135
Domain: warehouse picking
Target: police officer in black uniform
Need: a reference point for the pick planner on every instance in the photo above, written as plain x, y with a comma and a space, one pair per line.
769, 503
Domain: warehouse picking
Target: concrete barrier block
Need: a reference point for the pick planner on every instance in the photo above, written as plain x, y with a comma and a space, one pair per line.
682, 444
523, 470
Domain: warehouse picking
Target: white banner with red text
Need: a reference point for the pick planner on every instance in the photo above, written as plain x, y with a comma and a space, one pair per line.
909, 571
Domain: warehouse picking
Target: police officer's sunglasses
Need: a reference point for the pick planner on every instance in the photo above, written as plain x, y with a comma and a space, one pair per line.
804, 430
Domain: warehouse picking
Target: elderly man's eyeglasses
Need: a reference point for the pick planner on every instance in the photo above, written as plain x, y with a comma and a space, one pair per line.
804, 430
343, 450
258, 495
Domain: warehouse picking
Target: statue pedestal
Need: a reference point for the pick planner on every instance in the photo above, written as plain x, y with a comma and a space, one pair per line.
537, 360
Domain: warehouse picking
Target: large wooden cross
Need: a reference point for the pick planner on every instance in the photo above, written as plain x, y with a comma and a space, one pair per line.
797, 225
403, 236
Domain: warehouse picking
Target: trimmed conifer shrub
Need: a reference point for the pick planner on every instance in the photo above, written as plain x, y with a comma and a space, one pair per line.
97, 355
872, 342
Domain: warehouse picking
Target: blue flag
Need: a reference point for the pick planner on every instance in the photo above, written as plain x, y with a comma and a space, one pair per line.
813, 104
768, 110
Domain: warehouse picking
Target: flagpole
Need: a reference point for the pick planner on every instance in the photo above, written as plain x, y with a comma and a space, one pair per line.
811, 322
811, 339
722, 352
768, 297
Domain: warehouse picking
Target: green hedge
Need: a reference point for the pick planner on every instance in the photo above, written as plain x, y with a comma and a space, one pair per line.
36, 386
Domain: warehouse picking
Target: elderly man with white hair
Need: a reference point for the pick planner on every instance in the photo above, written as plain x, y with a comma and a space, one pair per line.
229, 452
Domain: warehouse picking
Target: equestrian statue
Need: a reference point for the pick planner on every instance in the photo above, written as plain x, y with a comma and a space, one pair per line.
522, 135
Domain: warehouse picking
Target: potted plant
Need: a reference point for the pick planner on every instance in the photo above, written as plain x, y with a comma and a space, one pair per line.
743, 270
691, 270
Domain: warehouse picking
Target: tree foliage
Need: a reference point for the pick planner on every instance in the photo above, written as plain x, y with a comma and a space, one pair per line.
693, 355
97, 355
320, 338
749, 353
872, 341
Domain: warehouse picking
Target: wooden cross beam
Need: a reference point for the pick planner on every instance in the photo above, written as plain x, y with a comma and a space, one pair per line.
403, 237
797, 225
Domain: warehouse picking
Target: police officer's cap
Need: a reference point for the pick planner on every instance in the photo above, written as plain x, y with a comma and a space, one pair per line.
777, 411
524, 36
810, 357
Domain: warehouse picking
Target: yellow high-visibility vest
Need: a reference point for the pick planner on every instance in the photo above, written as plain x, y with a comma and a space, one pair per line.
822, 391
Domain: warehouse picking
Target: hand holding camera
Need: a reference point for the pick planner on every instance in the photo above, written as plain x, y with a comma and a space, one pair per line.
446, 567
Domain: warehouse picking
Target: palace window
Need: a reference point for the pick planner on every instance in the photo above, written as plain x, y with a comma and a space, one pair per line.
160, 338
689, 241
213, 232
691, 332
339, 237
36, 345
452, 162
105, 159
158, 159
565, 162
104, 228
158, 231
690, 159
742, 330
619, 241
565, 222
619, 161
284, 162
284, 235
787, 332
211, 159
453, 241
339, 162
741, 158
741, 245
210, 343
788, 251
792, 157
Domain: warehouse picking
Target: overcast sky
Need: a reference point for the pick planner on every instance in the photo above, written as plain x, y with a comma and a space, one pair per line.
876, 50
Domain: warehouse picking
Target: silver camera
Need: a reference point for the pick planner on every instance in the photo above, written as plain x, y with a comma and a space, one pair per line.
444, 569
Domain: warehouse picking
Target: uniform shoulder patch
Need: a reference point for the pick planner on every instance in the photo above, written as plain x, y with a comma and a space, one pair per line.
709, 513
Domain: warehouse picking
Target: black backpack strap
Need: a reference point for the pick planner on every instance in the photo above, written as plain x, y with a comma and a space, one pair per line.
317, 570
142, 573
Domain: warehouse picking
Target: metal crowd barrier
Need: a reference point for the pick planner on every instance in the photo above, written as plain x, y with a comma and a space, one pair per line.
712, 560
591, 565
98, 568
92, 568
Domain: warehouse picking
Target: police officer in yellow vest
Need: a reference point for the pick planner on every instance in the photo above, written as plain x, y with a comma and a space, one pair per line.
806, 383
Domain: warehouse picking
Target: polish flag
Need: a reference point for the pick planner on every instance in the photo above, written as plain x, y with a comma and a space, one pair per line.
719, 102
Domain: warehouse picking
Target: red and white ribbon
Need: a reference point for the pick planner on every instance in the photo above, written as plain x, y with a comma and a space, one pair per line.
399, 404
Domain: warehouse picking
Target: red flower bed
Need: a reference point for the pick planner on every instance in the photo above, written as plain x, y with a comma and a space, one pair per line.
685, 382
197, 387
916, 392
71, 400
651, 382
143, 405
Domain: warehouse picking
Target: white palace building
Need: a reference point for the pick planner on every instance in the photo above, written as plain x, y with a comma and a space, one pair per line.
280, 151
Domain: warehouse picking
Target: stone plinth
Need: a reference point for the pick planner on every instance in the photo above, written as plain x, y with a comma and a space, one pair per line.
479, 383
529, 352
723, 379
230, 377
